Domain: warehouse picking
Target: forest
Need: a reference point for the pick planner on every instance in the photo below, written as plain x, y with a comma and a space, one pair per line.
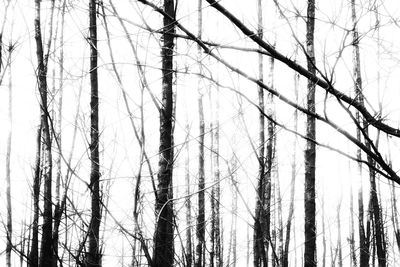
199, 133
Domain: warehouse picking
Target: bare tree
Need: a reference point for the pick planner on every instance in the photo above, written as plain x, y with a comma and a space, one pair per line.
189, 246
8, 160
164, 233
285, 262
93, 257
261, 227
58, 208
200, 225
216, 190
310, 235
362, 132
46, 250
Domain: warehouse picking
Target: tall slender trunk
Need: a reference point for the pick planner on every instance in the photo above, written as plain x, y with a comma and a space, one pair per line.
8, 160
9, 225
188, 204
200, 225
270, 193
163, 255
353, 256
213, 193
217, 188
364, 236
234, 213
94, 255
279, 218
58, 209
248, 245
46, 251
339, 241
374, 206
323, 232
260, 246
310, 235
285, 262
33, 258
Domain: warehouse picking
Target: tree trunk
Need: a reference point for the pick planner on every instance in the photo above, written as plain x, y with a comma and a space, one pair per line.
234, 213
285, 262
188, 204
8, 159
260, 245
33, 258
339, 241
323, 232
163, 255
217, 189
93, 257
374, 201
200, 225
46, 251
58, 209
353, 256
310, 235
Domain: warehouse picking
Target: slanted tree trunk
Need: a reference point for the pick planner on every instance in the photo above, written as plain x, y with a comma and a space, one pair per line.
310, 235
93, 257
163, 255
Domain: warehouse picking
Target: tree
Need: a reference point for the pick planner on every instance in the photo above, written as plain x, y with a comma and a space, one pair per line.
261, 224
46, 250
93, 257
163, 254
310, 234
200, 225
8, 162
362, 132
189, 246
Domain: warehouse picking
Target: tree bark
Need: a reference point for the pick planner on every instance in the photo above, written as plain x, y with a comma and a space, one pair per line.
339, 241
93, 257
163, 255
46, 251
374, 206
260, 244
285, 262
217, 188
8, 161
58, 209
310, 235
188, 204
200, 225
33, 258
